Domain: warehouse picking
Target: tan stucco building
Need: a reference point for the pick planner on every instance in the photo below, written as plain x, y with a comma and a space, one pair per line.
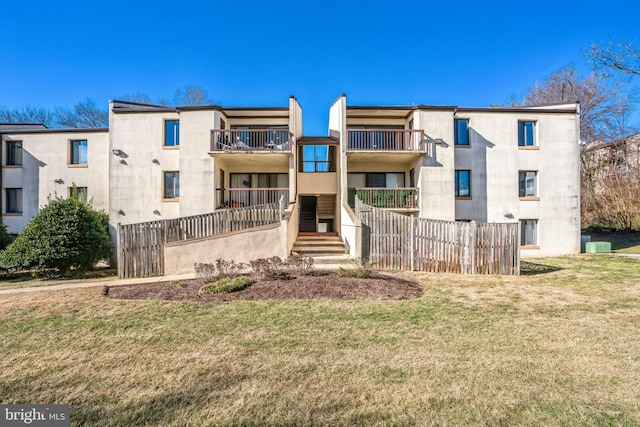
440, 162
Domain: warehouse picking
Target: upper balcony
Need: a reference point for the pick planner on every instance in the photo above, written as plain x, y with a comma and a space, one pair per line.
242, 148
245, 140
386, 145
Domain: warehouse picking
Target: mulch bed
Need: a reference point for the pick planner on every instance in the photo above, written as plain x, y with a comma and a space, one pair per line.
321, 285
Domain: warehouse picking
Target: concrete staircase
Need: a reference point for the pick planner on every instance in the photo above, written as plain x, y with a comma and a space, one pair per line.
326, 249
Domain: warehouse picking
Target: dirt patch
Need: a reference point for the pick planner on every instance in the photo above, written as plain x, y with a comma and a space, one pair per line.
322, 285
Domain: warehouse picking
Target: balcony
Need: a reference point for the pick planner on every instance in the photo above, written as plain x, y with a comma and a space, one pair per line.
267, 140
395, 140
405, 198
242, 197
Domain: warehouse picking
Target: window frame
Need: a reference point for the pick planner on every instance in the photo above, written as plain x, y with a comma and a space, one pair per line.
522, 135
79, 163
331, 162
176, 186
456, 133
8, 149
457, 184
523, 195
19, 201
81, 193
524, 241
176, 134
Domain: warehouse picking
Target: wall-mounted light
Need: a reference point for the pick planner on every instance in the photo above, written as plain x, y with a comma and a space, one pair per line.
58, 181
508, 214
123, 161
156, 161
121, 212
116, 151
156, 212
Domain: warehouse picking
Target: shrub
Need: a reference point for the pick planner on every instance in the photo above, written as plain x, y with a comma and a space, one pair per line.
272, 268
5, 237
300, 264
66, 234
208, 273
361, 272
228, 284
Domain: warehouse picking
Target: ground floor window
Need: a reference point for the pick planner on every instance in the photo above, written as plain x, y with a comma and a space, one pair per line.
79, 193
528, 232
463, 183
171, 185
13, 198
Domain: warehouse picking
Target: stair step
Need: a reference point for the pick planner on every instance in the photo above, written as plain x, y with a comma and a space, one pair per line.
320, 247
343, 259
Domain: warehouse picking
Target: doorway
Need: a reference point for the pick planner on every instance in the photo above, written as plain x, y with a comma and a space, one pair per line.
308, 216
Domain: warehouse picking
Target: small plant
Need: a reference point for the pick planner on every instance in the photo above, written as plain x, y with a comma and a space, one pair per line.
269, 268
361, 272
227, 284
207, 273
181, 284
299, 263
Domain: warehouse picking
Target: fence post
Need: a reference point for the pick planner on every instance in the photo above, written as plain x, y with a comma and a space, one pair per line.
412, 238
472, 246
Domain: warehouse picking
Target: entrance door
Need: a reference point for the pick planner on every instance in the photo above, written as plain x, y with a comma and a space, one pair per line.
307, 215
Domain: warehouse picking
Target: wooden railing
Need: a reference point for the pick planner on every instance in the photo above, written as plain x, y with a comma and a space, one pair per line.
141, 245
395, 241
394, 198
242, 197
251, 140
386, 139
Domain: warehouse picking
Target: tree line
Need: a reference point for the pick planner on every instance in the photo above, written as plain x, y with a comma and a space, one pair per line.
87, 114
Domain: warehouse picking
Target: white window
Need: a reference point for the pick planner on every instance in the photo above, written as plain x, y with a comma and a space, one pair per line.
528, 232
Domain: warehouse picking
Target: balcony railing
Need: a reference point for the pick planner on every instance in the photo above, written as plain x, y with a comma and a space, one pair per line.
251, 140
386, 139
242, 197
393, 198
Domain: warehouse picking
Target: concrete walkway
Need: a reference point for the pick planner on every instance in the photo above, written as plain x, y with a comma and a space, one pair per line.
93, 283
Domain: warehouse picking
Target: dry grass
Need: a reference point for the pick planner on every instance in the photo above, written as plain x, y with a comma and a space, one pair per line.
549, 348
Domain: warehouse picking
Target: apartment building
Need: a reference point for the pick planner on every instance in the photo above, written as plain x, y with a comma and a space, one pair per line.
441, 162
38, 163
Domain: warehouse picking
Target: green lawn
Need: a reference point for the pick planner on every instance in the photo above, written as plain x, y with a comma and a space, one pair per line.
556, 346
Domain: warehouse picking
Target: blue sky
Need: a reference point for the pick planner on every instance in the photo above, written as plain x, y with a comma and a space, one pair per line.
259, 53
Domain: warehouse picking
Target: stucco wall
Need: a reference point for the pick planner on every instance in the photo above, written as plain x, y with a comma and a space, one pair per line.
241, 246
45, 160
495, 160
136, 176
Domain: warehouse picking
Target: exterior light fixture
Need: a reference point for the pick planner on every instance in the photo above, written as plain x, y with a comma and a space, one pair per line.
58, 181
116, 151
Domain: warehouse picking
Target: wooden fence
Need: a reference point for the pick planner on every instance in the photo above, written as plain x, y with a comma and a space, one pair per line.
395, 241
141, 245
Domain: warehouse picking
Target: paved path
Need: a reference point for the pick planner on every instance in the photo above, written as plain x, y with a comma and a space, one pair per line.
78, 284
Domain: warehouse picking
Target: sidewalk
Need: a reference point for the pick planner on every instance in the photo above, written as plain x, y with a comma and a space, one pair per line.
99, 283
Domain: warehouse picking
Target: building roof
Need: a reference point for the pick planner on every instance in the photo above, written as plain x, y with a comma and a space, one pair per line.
21, 126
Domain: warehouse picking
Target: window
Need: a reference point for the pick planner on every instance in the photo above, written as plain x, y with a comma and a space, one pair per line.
316, 158
463, 183
526, 134
528, 232
461, 132
527, 184
171, 185
14, 153
172, 133
79, 193
78, 155
13, 197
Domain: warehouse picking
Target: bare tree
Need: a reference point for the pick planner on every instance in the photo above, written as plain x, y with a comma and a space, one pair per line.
605, 105
28, 115
622, 56
84, 114
191, 96
140, 98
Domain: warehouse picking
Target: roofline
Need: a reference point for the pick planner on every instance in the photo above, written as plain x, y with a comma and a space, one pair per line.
517, 110
55, 130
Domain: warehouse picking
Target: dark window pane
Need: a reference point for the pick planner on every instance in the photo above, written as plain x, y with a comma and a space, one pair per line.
461, 131
171, 133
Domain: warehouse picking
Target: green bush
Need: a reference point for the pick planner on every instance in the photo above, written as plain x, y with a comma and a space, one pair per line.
66, 234
5, 238
228, 284
362, 272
